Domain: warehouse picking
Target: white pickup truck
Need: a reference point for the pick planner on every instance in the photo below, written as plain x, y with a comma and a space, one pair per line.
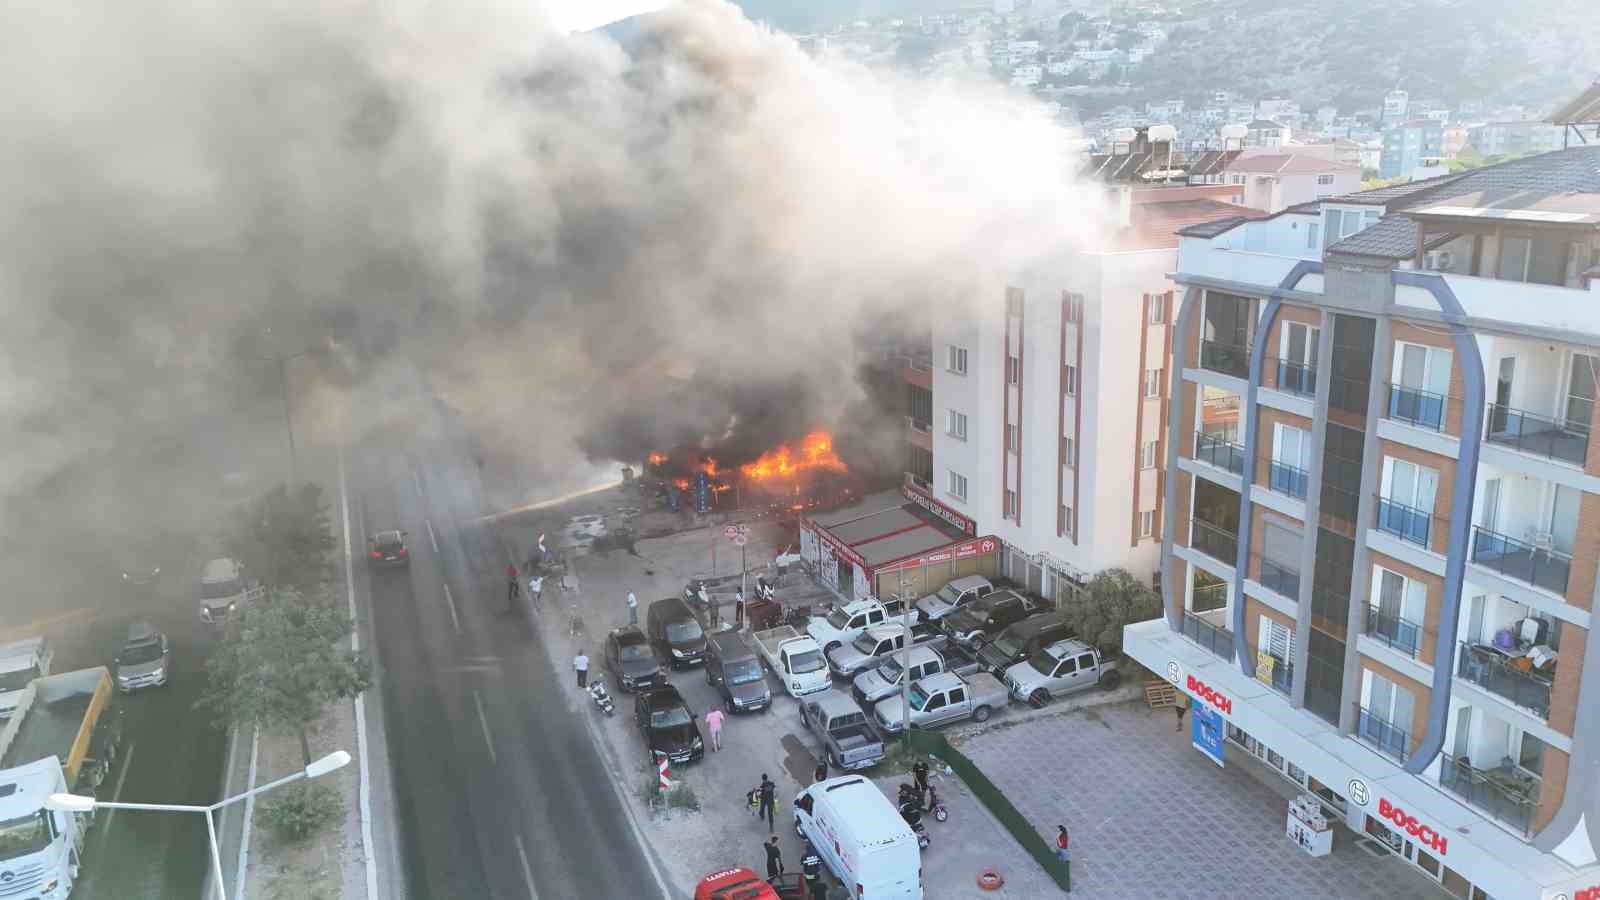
941, 699
795, 658
20, 663
1062, 668
843, 624
875, 684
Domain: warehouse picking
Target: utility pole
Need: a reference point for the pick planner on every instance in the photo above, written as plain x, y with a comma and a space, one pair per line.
282, 360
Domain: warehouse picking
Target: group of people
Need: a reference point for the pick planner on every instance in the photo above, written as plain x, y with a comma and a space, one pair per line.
514, 587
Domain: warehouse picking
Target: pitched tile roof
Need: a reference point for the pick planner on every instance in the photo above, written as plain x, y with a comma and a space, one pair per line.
1157, 225
1288, 164
1393, 237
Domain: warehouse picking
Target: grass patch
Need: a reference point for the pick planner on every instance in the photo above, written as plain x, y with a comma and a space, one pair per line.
302, 811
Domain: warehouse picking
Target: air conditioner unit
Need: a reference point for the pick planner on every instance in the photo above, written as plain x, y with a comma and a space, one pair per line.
1438, 260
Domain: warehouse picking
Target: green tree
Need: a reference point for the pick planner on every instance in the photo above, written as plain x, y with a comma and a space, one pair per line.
284, 537
1112, 599
283, 664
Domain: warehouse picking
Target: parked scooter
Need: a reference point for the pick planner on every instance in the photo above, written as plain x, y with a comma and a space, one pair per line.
934, 804
911, 811
601, 697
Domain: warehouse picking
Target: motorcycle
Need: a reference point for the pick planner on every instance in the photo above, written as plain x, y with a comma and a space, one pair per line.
939, 812
601, 697
911, 811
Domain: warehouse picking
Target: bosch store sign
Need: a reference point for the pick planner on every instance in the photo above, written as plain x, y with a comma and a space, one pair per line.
1209, 694
1408, 823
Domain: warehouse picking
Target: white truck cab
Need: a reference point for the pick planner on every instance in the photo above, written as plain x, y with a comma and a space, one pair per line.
861, 838
843, 623
952, 596
20, 663
794, 658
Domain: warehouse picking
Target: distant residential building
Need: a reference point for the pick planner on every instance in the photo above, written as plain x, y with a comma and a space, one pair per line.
1276, 181
1407, 144
1326, 116
1515, 138
1371, 153
1004, 7
1455, 139
1241, 112
1266, 134
1026, 76
1278, 109
1339, 150
1395, 104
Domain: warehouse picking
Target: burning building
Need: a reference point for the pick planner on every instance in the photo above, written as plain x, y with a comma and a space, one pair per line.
804, 475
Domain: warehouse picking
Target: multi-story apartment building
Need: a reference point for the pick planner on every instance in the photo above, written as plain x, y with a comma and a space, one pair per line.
1042, 416
1274, 181
1382, 525
1408, 144
1515, 138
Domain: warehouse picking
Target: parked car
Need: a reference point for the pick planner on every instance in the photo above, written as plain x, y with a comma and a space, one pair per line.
941, 699
953, 596
145, 659
848, 739
795, 658
740, 883
875, 645
875, 684
224, 590
667, 724
734, 669
1063, 667
987, 616
842, 624
675, 633
1023, 639
388, 548
630, 659
20, 663
861, 837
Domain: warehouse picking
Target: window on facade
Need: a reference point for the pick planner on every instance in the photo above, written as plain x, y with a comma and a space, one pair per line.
1344, 222
1064, 523
1421, 368
919, 462
955, 424
1297, 346
1009, 504
1531, 756
957, 485
1158, 308
956, 360
1069, 452
1013, 370
1539, 260
1152, 382
1399, 598
1072, 381
1147, 523
1276, 640
1291, 447
1147, 455
1410, 485
1013, 438
1313, 231
1324, 179
1014, 302
1581, 391
1074, 307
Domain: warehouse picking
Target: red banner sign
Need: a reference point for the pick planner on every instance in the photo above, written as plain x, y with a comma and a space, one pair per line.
928, 503
944, 554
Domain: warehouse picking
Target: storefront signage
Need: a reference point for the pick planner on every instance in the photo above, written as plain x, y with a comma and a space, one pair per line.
839, 548
1408, 823
1209, 694
1357, 791
1588, 893
1205, 732
958, 551
929, 504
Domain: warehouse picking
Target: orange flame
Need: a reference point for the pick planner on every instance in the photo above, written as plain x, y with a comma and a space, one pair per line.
709, 466
657, 459
681, 483
816, 452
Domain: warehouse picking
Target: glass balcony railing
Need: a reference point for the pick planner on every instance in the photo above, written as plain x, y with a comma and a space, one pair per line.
1215, 638
1210, 596
1491, 670
1219, 451
1287, 479
1229, 359
1507, 794
1405, 522
1296, 378
1279, 672
1282, 579
1417, 407
1539, 435
1397, 633
1214, 542
1382, 734
1539, 566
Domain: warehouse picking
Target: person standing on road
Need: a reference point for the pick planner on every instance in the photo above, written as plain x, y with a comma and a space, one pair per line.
811, 866
633, 609
738, 610
714, 725
769, 803
774, 857
536, 589
1061, 843
1180, 706
512, 587
919, 772
580, 664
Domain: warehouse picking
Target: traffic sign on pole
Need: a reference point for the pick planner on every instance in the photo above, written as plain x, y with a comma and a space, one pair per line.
729, 531
662, 766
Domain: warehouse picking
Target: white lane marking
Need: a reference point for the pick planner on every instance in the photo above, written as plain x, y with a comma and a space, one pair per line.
243, 868
416, 480
431, 539
454, 619
527, 870
369, 850
477, 700
116, 793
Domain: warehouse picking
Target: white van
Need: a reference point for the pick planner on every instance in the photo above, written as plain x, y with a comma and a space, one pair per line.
20, 663
861, 838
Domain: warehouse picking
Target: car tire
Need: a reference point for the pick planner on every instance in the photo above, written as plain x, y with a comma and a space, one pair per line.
804, 722
832, 760
1039, 698
981, 714
1111, 680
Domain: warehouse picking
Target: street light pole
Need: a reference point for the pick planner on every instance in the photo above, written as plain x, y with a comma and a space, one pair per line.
75, 803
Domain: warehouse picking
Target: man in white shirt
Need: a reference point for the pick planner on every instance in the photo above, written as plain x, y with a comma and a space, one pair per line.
535, 589
633, 609
580, 664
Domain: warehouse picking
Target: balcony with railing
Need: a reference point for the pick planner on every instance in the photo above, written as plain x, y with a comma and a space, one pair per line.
1286, 478
1383, 735
1405, 522
1275, 576
1543, 567
1491, 669
1217, 450
1505, 793
1218, 543
1289, 376
1208, 596
1397, 632
1212, 637
1536, 434
1228, 359
1418, 407
1274, 670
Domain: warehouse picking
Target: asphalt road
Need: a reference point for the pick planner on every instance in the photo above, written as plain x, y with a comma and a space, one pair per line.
500, 789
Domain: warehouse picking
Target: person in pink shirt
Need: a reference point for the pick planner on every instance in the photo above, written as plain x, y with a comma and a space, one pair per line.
714, 725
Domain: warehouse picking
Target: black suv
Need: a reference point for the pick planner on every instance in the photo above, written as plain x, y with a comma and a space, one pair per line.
1019, 642
668, 725
388, 548
675, 633
630, 660
985, 617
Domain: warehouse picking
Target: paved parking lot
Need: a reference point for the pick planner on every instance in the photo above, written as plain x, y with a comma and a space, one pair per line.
1152, 818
